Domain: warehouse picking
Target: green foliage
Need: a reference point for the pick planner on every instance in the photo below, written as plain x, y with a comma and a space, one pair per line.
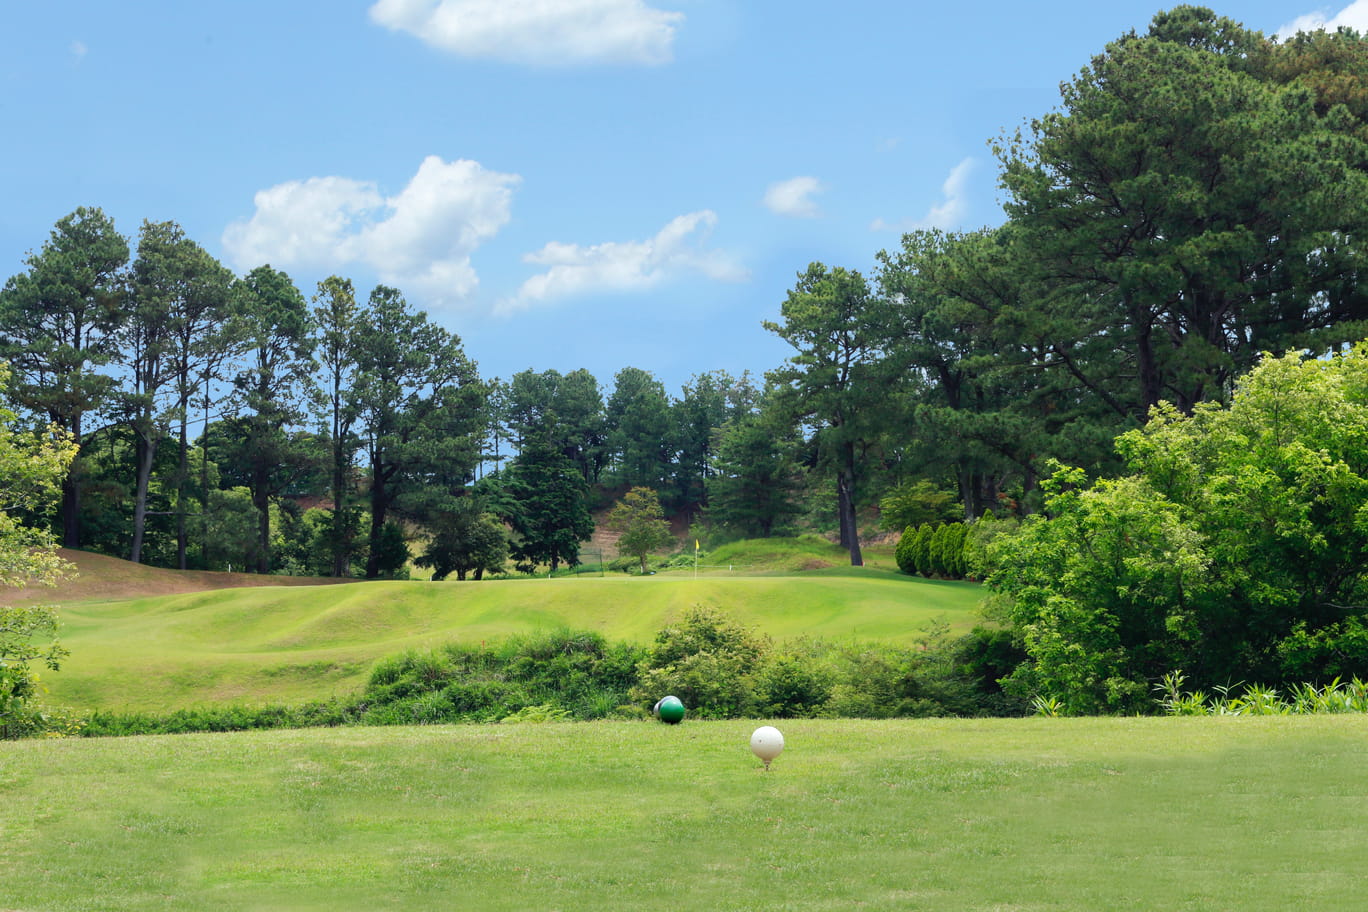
28, 636
389, 553
558, 674
57, 329
32, 467
1336, 696
707, 661
753, 486
466, 540
905, 555
639, 436
920, 549
420, 408
838, 380
551, 517
638, 521
979, 542
1235, 550
915, 503
933, 550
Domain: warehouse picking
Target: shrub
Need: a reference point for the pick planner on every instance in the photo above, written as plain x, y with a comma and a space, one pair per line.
906, 553
792, 686
707, 661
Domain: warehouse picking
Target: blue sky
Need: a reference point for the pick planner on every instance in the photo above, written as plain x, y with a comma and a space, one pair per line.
562, 183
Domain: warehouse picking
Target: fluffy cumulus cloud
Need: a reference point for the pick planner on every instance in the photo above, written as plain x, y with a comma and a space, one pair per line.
1355, 16
540, 32
950, 212
419, 240
677, 250
793, 197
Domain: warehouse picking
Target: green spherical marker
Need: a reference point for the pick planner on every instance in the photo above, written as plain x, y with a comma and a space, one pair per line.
670, 710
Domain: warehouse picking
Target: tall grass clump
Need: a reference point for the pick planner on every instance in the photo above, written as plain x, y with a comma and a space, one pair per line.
1260, 700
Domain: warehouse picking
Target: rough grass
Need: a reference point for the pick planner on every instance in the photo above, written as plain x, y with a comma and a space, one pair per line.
1025, 815
287, 644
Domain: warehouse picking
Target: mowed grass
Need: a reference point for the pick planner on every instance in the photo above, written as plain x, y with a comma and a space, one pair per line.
279, 644
1023, 815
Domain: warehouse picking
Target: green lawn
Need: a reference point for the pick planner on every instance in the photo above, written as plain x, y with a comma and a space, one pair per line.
1030, 814
279, 644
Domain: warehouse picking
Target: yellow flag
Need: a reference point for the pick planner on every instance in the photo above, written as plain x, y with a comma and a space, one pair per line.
695, 544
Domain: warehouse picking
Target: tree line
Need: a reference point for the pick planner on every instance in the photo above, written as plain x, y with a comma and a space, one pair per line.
211, 410
1197, 198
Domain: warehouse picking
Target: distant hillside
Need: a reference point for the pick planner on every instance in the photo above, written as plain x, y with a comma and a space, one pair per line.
99, 576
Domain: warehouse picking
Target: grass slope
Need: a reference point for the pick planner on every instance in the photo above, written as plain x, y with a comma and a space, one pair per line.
98, 576
1027, 815
274, 644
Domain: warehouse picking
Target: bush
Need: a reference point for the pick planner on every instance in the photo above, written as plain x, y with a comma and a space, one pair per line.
906, 553
707, 661
792, 686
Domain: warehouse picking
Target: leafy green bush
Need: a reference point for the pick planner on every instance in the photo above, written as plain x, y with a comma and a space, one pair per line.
790, 686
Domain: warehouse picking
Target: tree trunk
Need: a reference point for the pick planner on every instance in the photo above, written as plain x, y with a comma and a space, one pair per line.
204, 481
846, 504
379, 506
146, 450
261, 498
182, 475
71, 511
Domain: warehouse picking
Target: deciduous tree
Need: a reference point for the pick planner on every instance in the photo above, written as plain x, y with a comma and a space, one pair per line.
639, 521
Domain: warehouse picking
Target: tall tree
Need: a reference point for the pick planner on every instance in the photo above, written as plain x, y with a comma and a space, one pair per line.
708, 401
277, 328
753, 481
206, 338
991, 381
1187, 214
565, 410
639, 433
336, 317
834, 383
56, 329
551, 517
146, 341
421, 411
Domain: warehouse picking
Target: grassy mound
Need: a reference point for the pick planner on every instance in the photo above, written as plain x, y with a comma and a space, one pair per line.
1253, 814
790, 555
276, 644
99, 577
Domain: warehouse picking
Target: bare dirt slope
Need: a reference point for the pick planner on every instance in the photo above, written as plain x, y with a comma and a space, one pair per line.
98, 576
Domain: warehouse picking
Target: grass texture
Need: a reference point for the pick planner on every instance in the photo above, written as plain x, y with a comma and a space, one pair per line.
1026, 815
288, 644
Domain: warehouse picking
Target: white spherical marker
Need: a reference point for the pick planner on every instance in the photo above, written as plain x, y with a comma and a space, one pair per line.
767, 743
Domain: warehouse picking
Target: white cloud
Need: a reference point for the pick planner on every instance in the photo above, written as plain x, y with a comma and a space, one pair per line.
677, 250
541, 32
79, 50
793, 197
1355, 16
419, 240
949, 213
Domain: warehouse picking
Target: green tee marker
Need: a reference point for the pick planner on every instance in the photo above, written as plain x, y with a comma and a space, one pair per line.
670, 710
